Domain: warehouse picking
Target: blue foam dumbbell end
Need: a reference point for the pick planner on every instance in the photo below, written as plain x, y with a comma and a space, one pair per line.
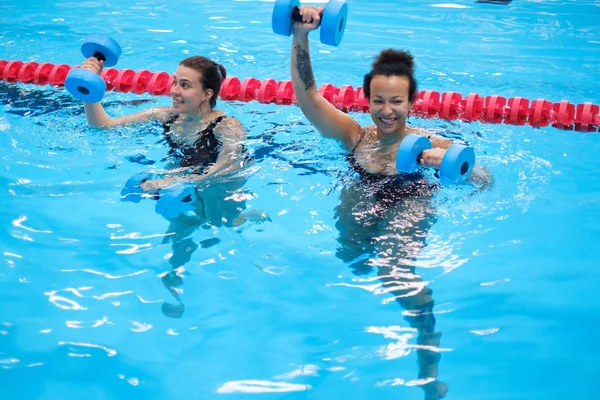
85, 85
408, 152
333, 22
176, 199
281, 21
457, 163
99, 43
132, 191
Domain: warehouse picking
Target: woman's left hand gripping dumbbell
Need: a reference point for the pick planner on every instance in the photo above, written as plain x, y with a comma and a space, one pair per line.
93, 64
432, 157
311, 19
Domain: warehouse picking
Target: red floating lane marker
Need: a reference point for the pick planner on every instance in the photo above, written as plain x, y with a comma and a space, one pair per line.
139, 83
285, 93
26, 72
169, 85
11, 71
346, 98
539, 113
41, 75
267, 91
123, 81
586, 117
109, 75
59, 74
249, 89
450, 105
362, 103
517, 111
2, 65
230, 88
158, 84
565, 115
472, 107
493, 111
428, 104
329, 92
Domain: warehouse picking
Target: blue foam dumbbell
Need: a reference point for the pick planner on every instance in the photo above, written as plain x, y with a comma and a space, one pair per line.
84, 84
333, 20
132, 190
176, 199
456, 165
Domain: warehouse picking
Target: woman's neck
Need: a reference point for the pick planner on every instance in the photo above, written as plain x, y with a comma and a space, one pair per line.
200, 116
391, 139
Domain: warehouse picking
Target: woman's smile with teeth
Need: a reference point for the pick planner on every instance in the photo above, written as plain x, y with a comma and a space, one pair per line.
388, 120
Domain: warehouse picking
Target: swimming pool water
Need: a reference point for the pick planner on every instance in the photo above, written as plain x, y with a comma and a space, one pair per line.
270, 310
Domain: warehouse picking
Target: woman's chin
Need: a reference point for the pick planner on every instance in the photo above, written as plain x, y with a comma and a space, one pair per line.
388, 129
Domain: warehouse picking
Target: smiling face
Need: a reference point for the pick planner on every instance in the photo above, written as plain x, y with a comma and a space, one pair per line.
389, 103
189, 97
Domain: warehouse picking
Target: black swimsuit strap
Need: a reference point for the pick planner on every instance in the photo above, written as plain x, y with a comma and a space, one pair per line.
209, 129
362, 135
169, 122
213, 124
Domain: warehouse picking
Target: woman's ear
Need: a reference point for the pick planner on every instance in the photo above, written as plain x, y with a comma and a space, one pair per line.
209, 93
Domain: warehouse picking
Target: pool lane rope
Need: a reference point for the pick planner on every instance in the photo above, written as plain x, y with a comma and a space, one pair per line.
494, 109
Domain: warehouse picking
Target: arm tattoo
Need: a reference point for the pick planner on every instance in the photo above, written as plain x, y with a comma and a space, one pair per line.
304, 67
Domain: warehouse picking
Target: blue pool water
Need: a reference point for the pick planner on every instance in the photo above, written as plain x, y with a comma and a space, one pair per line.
271, 308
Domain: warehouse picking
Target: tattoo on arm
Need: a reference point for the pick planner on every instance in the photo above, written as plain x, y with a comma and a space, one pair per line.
304, 68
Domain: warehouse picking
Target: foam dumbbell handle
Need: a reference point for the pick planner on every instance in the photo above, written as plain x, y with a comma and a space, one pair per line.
176, 199
296, 17
457, 164
409, 152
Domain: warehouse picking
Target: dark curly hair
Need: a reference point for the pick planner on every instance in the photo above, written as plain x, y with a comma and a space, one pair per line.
211, 72
392, 62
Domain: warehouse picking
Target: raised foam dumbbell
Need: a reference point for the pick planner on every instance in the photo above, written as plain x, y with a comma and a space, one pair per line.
333, 20
84, 84
456, 164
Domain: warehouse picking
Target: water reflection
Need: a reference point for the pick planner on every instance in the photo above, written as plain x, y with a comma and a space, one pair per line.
383, 225
78, 366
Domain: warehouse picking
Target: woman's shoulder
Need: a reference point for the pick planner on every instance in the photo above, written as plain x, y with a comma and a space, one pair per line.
162, 114
230, 127
435, 139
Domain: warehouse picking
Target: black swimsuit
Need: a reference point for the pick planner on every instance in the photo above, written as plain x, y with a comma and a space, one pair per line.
203, 153
389, 189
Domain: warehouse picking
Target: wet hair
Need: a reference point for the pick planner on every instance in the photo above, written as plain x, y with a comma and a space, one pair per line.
392, 62
212, 74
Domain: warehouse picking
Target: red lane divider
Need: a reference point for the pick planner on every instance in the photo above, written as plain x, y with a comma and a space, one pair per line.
428, 104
